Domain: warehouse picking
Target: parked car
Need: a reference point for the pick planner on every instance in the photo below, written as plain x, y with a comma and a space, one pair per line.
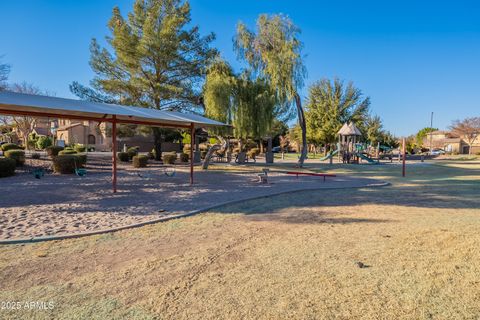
437, 152
276, 149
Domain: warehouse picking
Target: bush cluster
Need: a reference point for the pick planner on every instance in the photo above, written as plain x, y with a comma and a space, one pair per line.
66, 164
17, 155
53, 151
140, 161
43, 142
169, 157
79, 148
67, 151
11, 146
123, 156
184, 157
7, 167
132, 152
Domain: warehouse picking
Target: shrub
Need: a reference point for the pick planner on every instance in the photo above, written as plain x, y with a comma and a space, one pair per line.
81, 159
123, 156
132, 152
36, 155
151, 155
7, 167
43, 142
184, 157
11, 146
53, 151
17, 155
140, 161
66, 164
169, 158
252, 153
79, 148
32, 144
67, 151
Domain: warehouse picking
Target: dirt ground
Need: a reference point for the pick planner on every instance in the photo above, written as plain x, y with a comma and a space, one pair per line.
284, 257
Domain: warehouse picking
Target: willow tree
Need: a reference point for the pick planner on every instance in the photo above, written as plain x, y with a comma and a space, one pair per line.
157, 59
329, 105
253, 107
245, 102
274, 52
218, 91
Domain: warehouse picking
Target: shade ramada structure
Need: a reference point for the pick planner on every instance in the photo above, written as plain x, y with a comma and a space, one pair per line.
19, 104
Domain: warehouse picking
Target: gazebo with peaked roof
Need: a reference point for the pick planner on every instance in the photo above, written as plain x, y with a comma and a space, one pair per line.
19, 104
347, 136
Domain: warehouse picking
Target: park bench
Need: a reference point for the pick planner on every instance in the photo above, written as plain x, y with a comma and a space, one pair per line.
324, 175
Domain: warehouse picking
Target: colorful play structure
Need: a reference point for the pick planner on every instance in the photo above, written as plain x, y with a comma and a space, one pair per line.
349, 149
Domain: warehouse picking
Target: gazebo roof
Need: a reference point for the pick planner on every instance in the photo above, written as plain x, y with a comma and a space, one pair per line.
349, 129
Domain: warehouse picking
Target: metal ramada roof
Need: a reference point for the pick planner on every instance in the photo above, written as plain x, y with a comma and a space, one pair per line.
36, 105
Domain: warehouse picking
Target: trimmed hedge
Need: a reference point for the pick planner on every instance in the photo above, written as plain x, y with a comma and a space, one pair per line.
140, 161
79, 148
132, 152
169, 158
7, 167
53, 151
67, 151
43, 142
123, 156
11, 146
184, 157
65, 164
17, 155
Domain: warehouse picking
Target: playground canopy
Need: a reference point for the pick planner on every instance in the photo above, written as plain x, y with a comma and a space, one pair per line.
349, 129
19, 104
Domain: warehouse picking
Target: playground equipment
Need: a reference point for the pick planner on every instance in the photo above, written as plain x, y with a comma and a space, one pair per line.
329, 155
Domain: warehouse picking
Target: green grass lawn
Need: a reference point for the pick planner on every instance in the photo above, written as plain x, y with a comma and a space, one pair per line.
286, 257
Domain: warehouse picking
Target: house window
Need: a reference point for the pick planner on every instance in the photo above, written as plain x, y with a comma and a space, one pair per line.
91, 139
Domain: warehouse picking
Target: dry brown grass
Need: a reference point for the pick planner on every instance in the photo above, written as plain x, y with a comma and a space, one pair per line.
285, 257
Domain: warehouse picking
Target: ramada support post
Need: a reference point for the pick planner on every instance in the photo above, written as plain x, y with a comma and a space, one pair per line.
192, 141
114, 154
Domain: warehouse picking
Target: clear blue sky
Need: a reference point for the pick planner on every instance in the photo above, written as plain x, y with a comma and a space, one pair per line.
411, 57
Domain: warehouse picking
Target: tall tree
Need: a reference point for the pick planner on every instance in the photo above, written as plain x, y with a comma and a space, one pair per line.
157, 59
422, 134
245, 102
274, 52
373, 129
330, 104
4, 72
468, 129
218, 91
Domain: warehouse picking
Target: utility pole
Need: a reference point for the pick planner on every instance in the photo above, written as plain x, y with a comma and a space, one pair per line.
431, 133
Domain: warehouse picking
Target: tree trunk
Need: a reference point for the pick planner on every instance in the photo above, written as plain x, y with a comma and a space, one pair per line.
303, 126
157, 143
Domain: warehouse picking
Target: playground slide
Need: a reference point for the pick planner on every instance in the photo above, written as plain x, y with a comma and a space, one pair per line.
329, 155
366, 158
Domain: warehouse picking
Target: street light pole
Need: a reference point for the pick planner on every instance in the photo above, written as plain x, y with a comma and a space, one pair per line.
431, 132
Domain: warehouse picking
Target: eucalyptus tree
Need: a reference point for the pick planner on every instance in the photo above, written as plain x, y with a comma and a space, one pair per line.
273, 51
330, 104
156, 59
